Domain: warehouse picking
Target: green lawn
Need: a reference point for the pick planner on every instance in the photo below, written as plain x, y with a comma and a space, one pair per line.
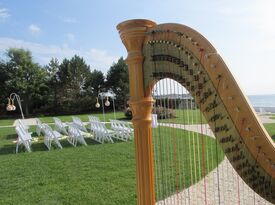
270, 127
96, 174
68, 118
100, 173
179, 159
182, 116
6, 122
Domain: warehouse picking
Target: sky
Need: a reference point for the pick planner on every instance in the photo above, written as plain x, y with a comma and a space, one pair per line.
243, 31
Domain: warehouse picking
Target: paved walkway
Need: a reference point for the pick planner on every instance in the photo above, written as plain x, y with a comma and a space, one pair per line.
223, 191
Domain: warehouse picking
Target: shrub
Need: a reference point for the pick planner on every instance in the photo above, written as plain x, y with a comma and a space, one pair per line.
128, 113
163, 112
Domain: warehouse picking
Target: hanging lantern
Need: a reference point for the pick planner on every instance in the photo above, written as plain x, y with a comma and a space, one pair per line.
9, 105
12, 105
97, 105
107, 102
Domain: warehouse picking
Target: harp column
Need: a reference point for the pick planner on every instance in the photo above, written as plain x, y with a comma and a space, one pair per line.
133, 34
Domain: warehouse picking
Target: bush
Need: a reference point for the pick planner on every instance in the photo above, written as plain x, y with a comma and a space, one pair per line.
163, 112
128, 113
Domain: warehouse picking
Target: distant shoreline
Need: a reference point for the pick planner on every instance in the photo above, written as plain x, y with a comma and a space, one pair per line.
264, 109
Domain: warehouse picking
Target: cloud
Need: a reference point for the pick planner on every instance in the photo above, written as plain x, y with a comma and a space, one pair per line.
34, 29
258, 14
98, 59
68, 19
4, 14
70, 37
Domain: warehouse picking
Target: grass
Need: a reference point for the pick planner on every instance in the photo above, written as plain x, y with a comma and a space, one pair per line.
101, 173
68, 118
179, 159
95, 174
182, 116
6, 122
270, 128
98, 174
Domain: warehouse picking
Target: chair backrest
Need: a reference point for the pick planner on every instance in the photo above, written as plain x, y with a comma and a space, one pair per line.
59, 125
38, 122
48, 130
77, 120
22, 133
57, 121
73, 130
93, 118
20, 122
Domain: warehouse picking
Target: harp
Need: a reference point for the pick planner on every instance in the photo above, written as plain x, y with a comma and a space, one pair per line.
175, 166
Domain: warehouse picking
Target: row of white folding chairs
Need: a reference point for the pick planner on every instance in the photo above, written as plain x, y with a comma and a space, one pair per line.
60, 126
125, 132
79, 124
75, 135
24, 137
101, 133
93, 118
50, 136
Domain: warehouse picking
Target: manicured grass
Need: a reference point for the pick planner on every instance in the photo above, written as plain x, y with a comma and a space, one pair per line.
182, 116
270, 128
178, 155
68, 118
95, 174
6, 122
84, 117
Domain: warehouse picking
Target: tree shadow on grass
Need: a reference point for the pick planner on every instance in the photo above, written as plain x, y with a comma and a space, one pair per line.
11, 137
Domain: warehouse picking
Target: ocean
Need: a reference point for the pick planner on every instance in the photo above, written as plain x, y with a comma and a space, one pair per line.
262, 100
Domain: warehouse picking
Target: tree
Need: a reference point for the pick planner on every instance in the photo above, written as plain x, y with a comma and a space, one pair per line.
118, 82
95, 82
4, 77
73, 76
53, 69
28, 78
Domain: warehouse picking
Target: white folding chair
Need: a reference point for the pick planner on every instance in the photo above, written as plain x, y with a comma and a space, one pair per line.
59, 126
80, 125
154, 120
23, 138
125, 128
39, 127
75, 135
93, 119
121, 133
51, 136
101, 133
22, 124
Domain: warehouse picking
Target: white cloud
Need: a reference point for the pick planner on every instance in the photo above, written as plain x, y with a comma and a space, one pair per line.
70, 37
34, 29
258, 14
68, 19
98, 59
4, 14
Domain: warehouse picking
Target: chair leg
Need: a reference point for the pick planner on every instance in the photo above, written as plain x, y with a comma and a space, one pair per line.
16, 150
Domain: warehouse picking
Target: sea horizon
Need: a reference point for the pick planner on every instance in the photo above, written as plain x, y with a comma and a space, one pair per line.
262, 100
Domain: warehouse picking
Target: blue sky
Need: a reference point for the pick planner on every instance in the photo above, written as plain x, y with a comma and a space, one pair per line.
242, 31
